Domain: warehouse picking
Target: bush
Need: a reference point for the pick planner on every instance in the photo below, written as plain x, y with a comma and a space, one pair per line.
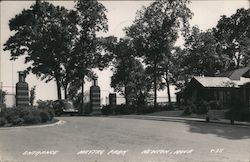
149, 109
215, 105
21, 112
182, 107
44, 104
11, 115
130, 109
50, 112
118, 109
26, 115
3, 121
239, 115
87, 108
44, 115
170, 107
46, 107
18, 121
32, 119
203, 107
124, 109
107, 110
187, 111
157, 108
189, 108
3, 108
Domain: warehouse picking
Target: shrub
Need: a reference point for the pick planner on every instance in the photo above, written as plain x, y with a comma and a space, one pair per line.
202, 107
44, 104
46, 107
151, 109
189, 108
44, 115
118, 109
170, 107
18, 121
3, 121
182, 107
26, 115
130, 109
11, 115
215, 105
87, 108
24, 111
49, 111
32, 119
3, 109
125, 109
240, 115
107, 110
187, 111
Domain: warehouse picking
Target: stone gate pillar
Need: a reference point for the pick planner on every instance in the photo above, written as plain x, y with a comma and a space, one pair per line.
22, 90
95, 98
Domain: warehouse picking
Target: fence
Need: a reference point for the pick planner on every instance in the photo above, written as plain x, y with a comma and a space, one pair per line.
10, 99
162, 100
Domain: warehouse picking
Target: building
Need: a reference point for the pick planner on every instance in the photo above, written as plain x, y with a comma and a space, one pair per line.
227, 88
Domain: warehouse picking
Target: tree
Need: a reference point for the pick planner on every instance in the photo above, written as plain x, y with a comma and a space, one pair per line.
155, 31
60, 44
178, 70
123, 62
140, 85
130, 79
129, 76
87, 51
45, 35
232, 33
32, 95
201, 56
169, 66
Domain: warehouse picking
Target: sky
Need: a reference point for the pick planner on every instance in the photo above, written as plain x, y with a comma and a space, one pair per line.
120, 14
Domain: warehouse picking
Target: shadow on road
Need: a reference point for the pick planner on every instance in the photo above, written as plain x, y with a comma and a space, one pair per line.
220, 130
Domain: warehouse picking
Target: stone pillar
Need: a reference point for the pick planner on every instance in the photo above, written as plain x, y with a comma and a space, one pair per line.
95, 98
22, 90
112, 99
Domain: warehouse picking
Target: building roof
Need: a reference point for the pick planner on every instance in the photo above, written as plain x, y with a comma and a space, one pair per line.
221, 81
234, 74
214, 81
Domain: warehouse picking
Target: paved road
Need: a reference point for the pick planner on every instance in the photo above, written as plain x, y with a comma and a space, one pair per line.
118, 139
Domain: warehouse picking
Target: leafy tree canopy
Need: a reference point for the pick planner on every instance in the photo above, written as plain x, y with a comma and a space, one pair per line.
233, 33
155, 31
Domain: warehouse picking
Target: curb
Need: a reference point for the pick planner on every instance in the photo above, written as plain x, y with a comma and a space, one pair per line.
59, 122
163, 118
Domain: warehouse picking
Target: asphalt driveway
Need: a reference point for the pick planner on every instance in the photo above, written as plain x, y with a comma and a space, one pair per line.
120, 139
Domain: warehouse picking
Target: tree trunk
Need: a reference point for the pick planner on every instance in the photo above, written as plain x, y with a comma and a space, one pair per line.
59, 94
155, 87
168, 89
126, 95
237, 62
155, 92
66, 92
82, 99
